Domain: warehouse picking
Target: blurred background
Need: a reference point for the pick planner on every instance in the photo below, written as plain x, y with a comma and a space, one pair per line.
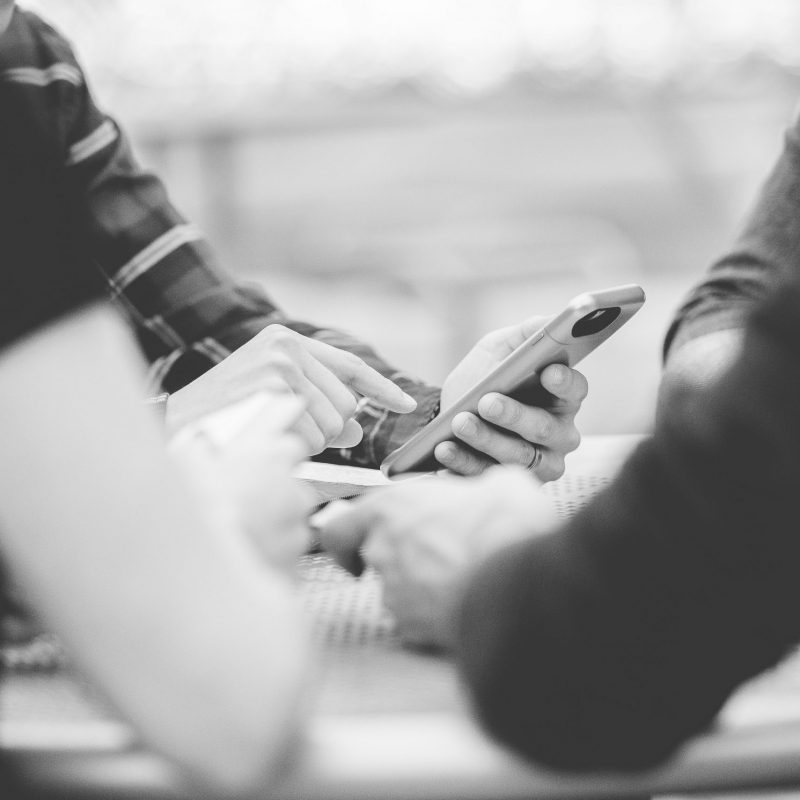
421, 172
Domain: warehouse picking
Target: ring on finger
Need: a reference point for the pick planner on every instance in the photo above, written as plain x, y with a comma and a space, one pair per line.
536, 458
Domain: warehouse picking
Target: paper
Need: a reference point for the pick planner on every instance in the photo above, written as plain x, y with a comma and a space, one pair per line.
329, 481
336, 481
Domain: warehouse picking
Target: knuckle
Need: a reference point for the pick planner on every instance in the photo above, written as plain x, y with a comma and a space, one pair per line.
281, 362
555, 469
581, 385
353, 360
331, 427
347, 406
572, 440
478, 467
458, 461
470, 466
285, 338
513, 412
546, 427
291, 344
352, 365
455, 459
274, 331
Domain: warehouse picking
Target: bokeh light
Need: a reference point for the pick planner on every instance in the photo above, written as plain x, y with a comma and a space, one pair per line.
293, 47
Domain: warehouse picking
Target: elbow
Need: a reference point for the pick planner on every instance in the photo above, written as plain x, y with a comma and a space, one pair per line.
235, 723
245, 740
234, 751
243, 764
588, 748
610, 730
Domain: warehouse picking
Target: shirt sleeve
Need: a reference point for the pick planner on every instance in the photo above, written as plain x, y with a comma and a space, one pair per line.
384, 431
766, 253
187, 312
43, 274
607, 643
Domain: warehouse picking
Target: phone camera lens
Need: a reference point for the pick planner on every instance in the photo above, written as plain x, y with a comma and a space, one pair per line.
595, 321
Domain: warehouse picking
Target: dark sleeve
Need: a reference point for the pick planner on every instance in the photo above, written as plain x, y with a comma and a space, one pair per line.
43, 272
187, 312
767, 252
606, 644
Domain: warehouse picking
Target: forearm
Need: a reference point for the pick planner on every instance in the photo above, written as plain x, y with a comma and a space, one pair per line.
188, 314
156, 607
697, 364
609, 643
766, 253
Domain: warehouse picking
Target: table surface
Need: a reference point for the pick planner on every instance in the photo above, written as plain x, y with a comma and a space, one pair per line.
390, 722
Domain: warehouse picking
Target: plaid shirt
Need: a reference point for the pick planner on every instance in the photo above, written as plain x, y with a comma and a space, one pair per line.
187, 313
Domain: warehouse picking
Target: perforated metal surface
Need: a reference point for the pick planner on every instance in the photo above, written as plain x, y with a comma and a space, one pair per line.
362, 667
347, 612
574, 490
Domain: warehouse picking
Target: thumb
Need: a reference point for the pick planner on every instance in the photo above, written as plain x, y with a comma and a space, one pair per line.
517, 334
531, 325
504, 341
350, 436
343, 527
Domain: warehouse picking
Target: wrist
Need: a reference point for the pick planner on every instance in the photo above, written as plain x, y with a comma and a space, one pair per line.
157, 404
178, 411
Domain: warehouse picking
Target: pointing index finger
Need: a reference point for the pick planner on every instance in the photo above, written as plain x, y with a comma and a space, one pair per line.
362, 378
370, 383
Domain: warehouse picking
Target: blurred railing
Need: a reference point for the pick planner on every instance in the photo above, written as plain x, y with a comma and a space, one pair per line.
419, 171
302, 49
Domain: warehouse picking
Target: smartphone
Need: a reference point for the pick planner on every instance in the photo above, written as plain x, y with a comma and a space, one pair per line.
586, 321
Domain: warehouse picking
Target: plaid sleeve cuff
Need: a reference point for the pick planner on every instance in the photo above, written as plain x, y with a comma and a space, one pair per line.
158, 405
385, 431
691, 327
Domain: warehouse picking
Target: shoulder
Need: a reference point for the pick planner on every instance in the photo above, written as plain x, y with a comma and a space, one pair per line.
35, 43
40, 78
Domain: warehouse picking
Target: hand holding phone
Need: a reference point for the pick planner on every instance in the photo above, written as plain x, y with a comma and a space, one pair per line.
585, 322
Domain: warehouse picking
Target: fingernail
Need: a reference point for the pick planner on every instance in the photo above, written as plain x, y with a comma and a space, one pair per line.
409, 400
495, 408
468, 427
558, 374
444, 455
